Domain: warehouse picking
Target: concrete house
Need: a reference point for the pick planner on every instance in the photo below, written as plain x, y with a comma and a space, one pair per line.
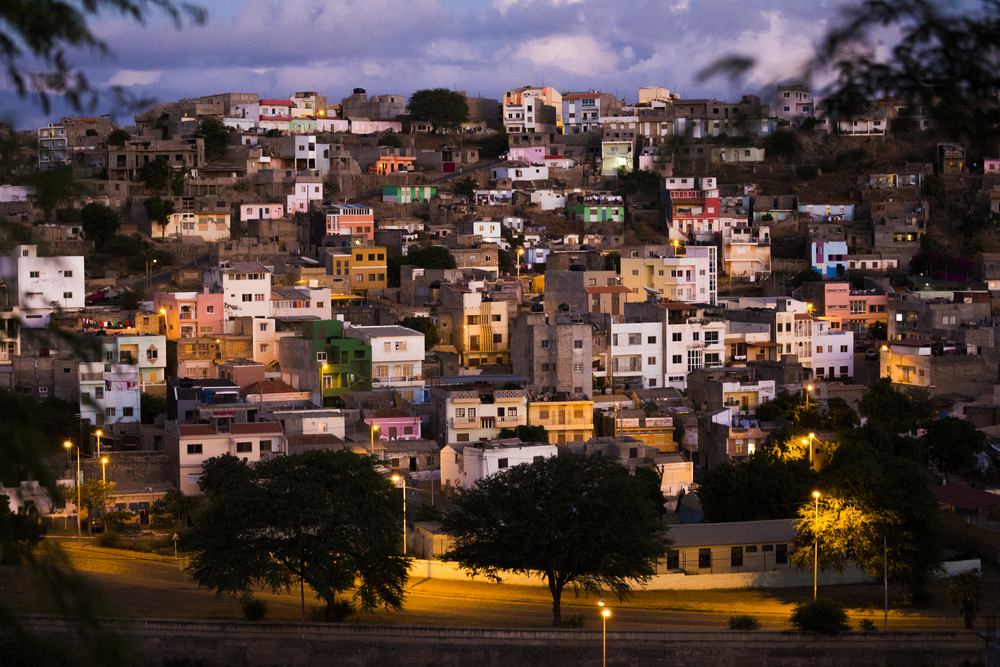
463, 465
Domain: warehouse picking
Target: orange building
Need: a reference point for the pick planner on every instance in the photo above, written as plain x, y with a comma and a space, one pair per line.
350, 219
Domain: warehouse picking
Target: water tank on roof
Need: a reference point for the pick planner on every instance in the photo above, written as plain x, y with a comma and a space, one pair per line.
564, 307
359, 91
537, 308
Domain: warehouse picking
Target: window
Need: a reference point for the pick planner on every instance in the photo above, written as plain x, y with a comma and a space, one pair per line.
736, 557
209, 309
194, 449
67, 274
676, 337
109, 412
650, 360
704, 558
263, 347
497, 339
843, 348
263, 327
496, 318
711, 337
371, 277
634, 339
577, 344
401, 346
673, 559
243, 447
676, 359
34, 274
781, 554
460, 412
844, 371
258, 297
545, 368
545, 344
577, 368
247, 298
127, 412
67, 295
501, 463
695, 335
151, 354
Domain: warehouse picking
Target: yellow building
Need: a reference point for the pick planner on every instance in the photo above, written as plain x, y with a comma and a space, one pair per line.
366, 266
565, 421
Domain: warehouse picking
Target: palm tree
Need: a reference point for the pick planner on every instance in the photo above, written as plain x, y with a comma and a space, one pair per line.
968, 592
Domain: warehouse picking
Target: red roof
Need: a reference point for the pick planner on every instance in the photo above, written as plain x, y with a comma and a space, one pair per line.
965, 497
274, 103
609, 289
580, 96
256, 427
190, 430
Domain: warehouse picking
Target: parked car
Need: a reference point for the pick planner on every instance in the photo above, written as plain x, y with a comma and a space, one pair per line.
871, 353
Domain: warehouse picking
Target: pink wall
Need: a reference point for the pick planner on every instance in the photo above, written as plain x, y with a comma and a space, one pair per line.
533, 154
400, 424
173, 302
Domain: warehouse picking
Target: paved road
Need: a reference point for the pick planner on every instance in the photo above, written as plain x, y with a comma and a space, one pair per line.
162, 276
145, 585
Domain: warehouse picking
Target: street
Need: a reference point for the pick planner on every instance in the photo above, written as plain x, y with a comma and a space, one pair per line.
140, 585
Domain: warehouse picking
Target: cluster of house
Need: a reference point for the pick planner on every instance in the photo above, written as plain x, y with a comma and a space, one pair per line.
291, 338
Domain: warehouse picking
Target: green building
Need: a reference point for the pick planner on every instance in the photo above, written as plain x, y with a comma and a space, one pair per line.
345, 364
408, 194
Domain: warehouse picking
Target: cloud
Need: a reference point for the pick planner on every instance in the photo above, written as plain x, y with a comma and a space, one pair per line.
576, 54
132, 77
503, 6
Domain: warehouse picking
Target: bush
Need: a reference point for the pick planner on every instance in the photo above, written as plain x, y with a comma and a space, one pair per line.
573, 621
744, 622
867, 625
825, 616
337, 612
254, 609
110, 539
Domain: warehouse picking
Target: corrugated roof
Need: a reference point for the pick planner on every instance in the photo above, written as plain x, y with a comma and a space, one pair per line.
779, 531
608, 289
269, 387
190, 430
965, 497
256, 427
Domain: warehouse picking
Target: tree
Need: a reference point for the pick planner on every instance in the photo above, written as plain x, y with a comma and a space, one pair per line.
55, 186
94, 494
18, 533
159, 211
131, 298
967, 593
467, 188
878, 331
444, 109
764, 486
216, 136
100, 223
41, 33
840, 416
492, 146
525, 433
823, 615
952, 444
324, 518
807, 276
783, 145
390, 139
118, 137
151, 407
576, 520
157, 174
613, 261
892, 410
874, 494
425, 326
174, 505
435, 257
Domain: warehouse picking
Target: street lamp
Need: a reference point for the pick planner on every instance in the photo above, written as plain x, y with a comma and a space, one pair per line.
605, 612
374, 428
99, 434
400, 483
815, 544
809, 441
520, 252
104, 474
148, 265
888, 368
69, 446
809, 388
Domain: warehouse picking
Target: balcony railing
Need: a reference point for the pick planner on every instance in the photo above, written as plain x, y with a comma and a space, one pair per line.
464, 422
517, 421
398, 378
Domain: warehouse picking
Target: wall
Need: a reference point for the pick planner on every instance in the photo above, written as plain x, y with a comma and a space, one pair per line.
353, 644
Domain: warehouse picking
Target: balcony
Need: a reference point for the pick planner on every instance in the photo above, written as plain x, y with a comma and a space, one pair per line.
397, 378
464, 422
508, 422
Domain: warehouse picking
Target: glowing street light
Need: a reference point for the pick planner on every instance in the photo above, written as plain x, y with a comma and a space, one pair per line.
104, 475
374, 428
809, 388
815, 544
99, 433
401, 484
520, 253
605, 613
809, 441
69, 446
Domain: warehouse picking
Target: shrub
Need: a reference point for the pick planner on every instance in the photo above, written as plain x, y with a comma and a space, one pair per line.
867, 625
744, 622
254, 609
825, 616
573, 621
110, 540
336, 612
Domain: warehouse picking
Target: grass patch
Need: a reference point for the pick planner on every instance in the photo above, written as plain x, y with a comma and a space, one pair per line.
160, 545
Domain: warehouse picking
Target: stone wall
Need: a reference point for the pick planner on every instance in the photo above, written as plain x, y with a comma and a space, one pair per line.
351, 644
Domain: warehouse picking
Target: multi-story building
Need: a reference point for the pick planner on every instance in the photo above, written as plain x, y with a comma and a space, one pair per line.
308, 189
564, 419
464, 464
637, 354
207, 225
299, 303
199, 357
350, 220
365, 267
245, 289
42, 285
693, 209
845, 308
125, 162
326, 362
147, 351
746, 253
582, 112
554, 354
480, 331
475, 412
794, 104
188, 446
109, 392
189, 314
53, 149
397, 359
911, 317
739, 390
828, 257
693, 339
617, 154
675, 272
532, 109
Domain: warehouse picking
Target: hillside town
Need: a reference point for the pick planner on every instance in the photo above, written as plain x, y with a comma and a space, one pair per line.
455, 285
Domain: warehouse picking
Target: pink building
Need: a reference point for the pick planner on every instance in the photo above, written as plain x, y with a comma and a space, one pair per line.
393, 424
844, 308
189, 314
529, 154
991, 165
261, 211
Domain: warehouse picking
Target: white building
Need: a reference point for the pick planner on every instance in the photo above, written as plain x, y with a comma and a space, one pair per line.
462, 466
147, 351
397, 358
304, 194
245, 289
637, 353
519, 172
471, 413
188, 446
549, 200
37, 284
692, 341
300, 303
109, 392
490, 230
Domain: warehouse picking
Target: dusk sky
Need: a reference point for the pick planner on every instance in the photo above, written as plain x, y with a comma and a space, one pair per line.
484, 47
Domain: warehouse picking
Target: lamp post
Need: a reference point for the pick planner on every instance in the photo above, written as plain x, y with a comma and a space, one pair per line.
605, 612
69, 446
809, 441
148, 265
520, 252
888, 368
99, 433
104, 475
166, 326
373, 429
322, 379
402, 485
809, 388
815, 544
